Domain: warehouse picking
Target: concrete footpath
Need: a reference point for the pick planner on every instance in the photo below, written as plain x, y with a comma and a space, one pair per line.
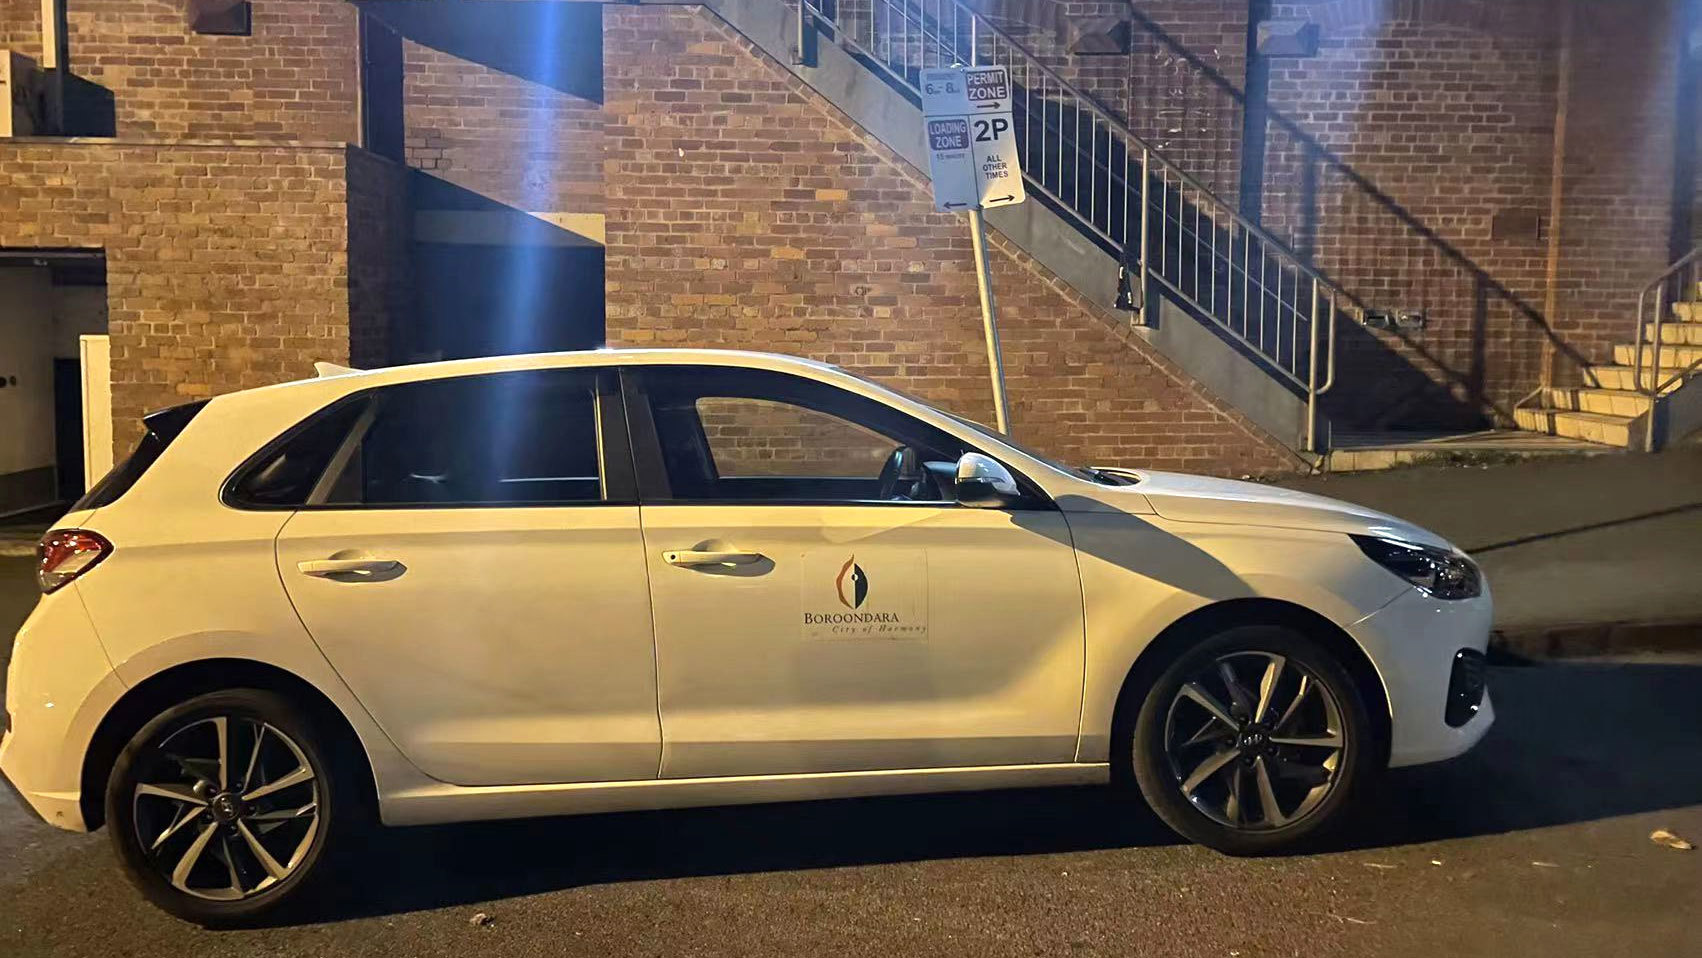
1583, 555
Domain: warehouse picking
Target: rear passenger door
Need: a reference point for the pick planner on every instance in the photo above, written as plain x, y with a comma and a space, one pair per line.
470, 562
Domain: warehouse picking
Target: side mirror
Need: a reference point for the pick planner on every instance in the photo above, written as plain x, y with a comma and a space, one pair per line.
984, 483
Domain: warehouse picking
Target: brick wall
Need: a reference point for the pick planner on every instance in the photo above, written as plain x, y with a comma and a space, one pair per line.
1176, 88
1617, 182
293, 79
1191, 111
512, 140
226, 265
1448, 114
1413, 157
744, 212
381, 291
20, 27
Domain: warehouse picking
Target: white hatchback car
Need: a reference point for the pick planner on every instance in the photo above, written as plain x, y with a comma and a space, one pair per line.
584, 582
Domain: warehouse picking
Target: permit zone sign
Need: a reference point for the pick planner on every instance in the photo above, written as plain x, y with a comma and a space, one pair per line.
972, 151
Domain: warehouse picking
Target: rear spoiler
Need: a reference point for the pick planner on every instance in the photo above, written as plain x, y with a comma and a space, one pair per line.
322, 370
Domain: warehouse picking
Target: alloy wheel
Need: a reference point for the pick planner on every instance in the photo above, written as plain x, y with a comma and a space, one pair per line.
226, 807
1254, 740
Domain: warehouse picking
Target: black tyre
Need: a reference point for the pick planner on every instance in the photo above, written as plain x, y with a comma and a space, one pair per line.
1253, 741
222, 807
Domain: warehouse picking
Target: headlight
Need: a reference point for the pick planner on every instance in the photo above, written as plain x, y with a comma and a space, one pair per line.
1437, 572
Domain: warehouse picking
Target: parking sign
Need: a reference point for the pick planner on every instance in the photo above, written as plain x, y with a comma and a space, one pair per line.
972, 149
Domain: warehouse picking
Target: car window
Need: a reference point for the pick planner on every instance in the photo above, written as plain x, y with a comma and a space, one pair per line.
762, 437
523, 438
286, 474
727, 434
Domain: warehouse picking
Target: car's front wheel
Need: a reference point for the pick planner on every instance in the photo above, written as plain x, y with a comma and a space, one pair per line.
1255, 740
222, 807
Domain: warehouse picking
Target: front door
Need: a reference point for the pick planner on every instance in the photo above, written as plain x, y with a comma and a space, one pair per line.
821, 601
471, 565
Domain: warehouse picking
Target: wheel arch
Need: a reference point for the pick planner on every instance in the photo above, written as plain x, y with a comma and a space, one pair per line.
170, 686
1210, 619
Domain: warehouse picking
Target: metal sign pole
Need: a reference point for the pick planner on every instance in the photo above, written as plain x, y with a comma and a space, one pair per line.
974, 163
989, 317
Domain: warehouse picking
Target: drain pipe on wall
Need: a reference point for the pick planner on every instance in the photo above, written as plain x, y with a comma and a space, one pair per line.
55, 57
1557, 189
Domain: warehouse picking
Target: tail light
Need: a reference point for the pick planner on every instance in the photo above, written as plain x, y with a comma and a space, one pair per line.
65, 554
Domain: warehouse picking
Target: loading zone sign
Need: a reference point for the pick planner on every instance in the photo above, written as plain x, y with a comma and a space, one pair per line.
972, 153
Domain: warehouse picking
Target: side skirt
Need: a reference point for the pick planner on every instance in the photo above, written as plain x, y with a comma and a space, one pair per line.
438, 802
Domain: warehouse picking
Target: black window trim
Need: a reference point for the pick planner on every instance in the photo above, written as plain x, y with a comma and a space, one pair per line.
614, 452
653, 486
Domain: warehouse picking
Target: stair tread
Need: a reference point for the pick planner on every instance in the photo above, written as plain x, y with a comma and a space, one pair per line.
1579, 414
1602, 428
1675, 333
1623, 378
1597, 389
1674, 352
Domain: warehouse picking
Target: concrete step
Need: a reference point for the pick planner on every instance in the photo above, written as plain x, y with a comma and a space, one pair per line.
1672, 357
1685, 334
1588, 426
1365, 452
1688, 312
1608, 402
1618, 378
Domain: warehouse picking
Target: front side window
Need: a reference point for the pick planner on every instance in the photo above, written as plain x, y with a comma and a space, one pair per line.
761, 437
725, 434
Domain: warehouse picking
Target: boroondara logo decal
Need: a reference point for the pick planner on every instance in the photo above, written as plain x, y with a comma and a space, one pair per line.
852, 583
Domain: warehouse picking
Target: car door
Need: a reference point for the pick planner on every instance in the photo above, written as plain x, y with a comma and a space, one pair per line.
471, 564
821, 601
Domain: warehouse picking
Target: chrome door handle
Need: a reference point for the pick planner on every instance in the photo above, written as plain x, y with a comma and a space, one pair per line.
688, 558
349, 567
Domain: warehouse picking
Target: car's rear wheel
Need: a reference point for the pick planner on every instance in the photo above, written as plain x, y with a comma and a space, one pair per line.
1253, 741
222, 807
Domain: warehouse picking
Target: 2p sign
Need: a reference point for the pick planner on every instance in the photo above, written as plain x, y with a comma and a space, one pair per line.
972, 150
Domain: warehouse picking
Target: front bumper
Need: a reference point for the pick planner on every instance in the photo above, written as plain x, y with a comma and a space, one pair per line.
1413, 642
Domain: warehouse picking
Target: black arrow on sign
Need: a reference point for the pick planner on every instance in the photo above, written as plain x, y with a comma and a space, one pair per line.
1004, 199
950, 205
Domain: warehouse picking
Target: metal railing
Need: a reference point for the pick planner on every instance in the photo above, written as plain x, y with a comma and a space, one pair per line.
1678, 284
1111, 184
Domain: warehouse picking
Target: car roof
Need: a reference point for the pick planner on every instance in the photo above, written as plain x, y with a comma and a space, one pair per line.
333, 381
585, 357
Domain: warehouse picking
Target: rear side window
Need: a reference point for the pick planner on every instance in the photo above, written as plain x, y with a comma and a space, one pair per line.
285, 473
162, 427
523, 438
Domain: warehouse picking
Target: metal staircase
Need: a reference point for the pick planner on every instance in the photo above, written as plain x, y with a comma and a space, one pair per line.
1164, 226
1651, 395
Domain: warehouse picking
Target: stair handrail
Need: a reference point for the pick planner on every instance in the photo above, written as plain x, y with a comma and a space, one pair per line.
1682, 275
1319, 291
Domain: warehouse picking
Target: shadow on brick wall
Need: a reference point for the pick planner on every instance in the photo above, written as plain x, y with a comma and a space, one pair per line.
494, 280
558, 45
1466, 371
90, 109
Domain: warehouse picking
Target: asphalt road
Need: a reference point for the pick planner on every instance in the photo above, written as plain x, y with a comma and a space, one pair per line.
1537, 843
